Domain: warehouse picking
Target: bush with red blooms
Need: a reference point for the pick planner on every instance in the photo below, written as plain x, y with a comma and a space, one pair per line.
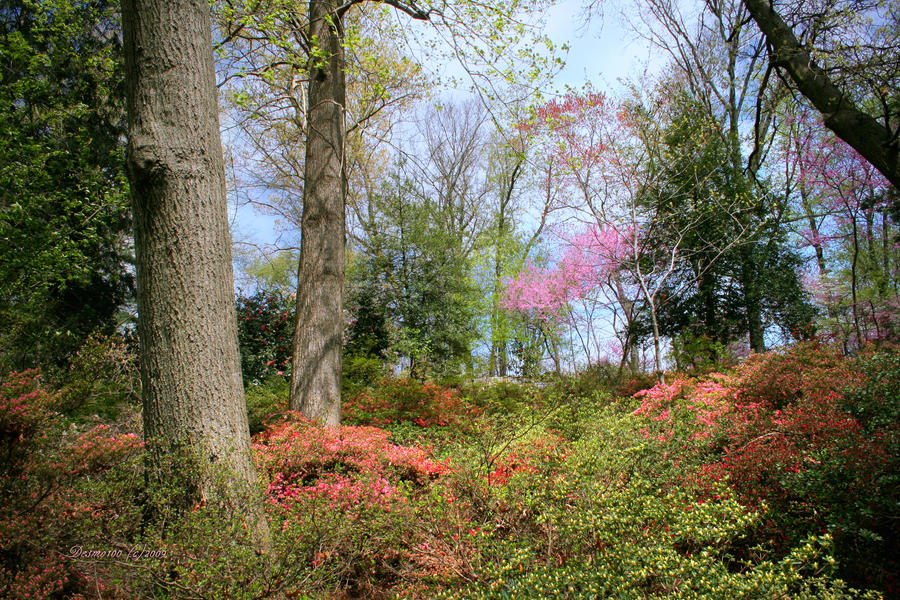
396, 400
49, 484
298, 454
782, 430
346, 495
687, 409
528, 456
265, 333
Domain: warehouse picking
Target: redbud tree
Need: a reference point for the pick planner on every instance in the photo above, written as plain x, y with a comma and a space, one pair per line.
846, 204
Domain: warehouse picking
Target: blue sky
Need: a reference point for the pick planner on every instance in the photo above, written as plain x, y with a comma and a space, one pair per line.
601, 53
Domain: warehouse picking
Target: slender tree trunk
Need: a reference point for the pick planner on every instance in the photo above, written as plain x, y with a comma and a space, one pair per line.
885, 251
193, 396
657, 352
630, 349
853, 268
814, 228
752, 304
499, 340
705, 286
316, 359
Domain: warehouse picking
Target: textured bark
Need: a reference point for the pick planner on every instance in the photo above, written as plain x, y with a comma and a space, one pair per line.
752, 302
316, 360
866, 135
190, 364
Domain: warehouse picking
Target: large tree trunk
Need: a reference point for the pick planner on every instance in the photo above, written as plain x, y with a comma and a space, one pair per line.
193, 395
866, 135
316, 361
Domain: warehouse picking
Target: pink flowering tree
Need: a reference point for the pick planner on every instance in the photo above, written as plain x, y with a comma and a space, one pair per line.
590, 258
846, 203
572, 138
606, 156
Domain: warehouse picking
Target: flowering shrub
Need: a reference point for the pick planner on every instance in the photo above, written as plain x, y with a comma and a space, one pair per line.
103, 378
25, 408
607, 522
265, 333
46, 508
345, 494
787, 442
687, 409
809, 370
714, 487
395, 400
298, 451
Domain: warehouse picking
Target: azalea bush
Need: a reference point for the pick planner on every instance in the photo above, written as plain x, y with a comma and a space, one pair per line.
60, 487
342, 499
394, 400
781, 431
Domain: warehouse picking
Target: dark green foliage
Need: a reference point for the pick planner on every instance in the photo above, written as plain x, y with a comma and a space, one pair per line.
360, 372
737, 275
266, 400
102, 379
265, 333
64, 216
413, 281
876, 403
367, 333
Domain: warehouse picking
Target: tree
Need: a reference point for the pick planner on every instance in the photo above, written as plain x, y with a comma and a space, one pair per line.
878, 142
736, 275
413, 271
316, 359
190, 362
64, 218
852, 222
506, 170
291, 70
488, 31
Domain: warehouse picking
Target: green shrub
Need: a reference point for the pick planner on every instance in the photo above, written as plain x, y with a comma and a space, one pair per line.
498, 396
699, 353
609, 516
360, 372
103, 379
266, 399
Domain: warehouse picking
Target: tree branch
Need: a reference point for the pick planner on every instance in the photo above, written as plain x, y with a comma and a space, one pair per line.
862, 132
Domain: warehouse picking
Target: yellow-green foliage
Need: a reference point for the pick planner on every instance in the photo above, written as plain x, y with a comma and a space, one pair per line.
617, 519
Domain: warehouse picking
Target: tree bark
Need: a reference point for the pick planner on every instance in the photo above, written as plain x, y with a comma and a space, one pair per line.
867, 136
193, 396
750, 284
316, 361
